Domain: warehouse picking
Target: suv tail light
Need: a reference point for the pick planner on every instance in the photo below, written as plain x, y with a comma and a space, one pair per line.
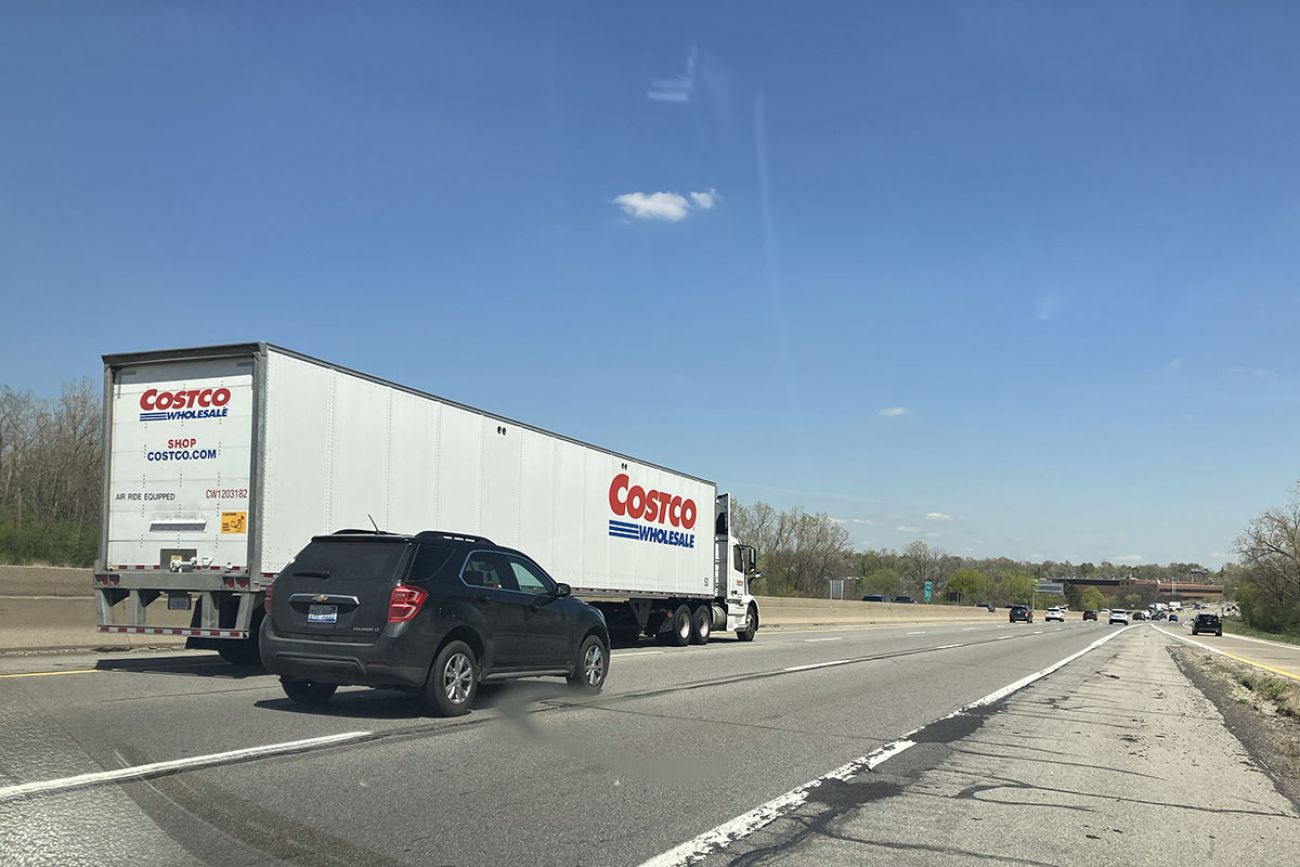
404, 603
266, 601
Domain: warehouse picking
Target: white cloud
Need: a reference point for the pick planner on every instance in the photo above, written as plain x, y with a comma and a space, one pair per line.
1174, 366
1217, 554
934, 535
937, 516
705, 200
665, 206
895, 411
654, 206
1037, 555
903, 528
863, 521
1128, 558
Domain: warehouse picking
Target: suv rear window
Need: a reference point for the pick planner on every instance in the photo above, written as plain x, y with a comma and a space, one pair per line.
348, 560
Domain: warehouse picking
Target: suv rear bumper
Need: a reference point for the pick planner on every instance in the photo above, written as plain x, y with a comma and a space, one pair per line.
382, 663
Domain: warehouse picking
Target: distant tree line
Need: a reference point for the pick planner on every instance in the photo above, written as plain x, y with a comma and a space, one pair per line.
50, 468
800, 552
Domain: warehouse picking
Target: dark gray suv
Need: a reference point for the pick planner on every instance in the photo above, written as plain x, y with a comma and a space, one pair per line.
433, 613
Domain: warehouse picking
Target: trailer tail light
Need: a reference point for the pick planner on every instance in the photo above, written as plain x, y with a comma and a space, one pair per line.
404, 603
266, 601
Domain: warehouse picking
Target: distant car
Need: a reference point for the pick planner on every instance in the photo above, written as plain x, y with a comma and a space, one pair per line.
1139, 615
986, 606
905, 600
1090, 615
1173, 618
1021, 613
1207, 623
1118, 615
875, 597
1054, 614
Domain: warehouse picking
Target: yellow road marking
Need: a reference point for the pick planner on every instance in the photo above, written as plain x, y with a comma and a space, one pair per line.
1287, 674
50, 673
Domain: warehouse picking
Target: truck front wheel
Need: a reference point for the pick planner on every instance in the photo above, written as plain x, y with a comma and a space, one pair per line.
750, 628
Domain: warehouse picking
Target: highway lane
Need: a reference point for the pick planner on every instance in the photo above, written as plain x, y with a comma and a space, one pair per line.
1273, 656
680, 741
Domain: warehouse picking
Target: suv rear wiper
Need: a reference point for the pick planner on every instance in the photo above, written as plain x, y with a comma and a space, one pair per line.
313, 573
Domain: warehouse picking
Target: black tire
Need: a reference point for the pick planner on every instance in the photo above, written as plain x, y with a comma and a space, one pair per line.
701, 624
591, 667
679, 633
751, 625
308, 692
453, 680
245, 652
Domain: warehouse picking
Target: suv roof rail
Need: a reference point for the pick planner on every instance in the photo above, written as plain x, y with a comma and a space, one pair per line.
353, 532
454, 537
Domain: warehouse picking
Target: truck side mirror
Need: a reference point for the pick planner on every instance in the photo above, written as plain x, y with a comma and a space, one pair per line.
751, 560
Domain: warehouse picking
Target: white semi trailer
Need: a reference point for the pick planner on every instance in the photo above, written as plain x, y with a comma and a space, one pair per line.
221, 462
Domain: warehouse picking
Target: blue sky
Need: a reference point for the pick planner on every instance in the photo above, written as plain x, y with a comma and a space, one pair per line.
1062, 238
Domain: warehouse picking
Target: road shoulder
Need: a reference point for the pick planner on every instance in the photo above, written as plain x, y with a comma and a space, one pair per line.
1088, 766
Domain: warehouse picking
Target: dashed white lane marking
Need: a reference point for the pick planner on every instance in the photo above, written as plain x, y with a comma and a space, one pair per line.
970, 629
719, 838
948, 646
140, 772
626, 654
813, 640
1038, 632
1003, 637
817, 665
914, 633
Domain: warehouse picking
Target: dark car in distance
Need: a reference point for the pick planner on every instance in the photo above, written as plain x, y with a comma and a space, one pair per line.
1207, 623
1022, 613
905, 600
431, 613
875, 597
1090, 615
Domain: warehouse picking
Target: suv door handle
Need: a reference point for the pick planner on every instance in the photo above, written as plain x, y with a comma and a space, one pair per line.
482, 597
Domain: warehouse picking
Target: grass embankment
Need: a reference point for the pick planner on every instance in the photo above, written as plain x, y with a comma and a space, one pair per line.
1268, 692
1235, 626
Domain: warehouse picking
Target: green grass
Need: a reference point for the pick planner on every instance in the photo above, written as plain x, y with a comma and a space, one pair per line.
1234, 626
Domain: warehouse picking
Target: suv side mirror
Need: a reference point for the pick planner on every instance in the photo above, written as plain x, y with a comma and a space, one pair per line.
562, 589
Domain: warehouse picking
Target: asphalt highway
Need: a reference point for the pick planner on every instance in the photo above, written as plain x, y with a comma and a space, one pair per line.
680, 742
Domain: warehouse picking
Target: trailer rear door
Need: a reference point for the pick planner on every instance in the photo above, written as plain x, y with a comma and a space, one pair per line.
180, 466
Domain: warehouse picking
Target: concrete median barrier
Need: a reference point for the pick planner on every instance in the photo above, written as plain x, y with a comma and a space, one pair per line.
783, 611
48, 608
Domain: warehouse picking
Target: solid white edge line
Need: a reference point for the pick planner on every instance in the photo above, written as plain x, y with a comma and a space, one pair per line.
138, 772
817, 665
747, 823
716, 839
914, 633
1003, 637
833, 638
947, 646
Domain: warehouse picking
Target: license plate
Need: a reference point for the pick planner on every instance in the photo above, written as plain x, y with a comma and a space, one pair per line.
323, 614
178, 602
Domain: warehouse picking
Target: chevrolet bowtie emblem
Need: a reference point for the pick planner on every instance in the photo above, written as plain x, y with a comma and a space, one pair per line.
321, 598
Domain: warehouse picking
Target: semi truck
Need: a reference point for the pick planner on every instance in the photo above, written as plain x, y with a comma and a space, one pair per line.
222, 462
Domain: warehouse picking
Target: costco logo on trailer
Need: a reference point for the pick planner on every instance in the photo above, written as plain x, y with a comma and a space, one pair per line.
184, 404
653, 508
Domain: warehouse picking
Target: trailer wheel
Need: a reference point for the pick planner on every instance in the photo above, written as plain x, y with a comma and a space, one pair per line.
308, 692
702, 624
680, 634
245, 652
751, 625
